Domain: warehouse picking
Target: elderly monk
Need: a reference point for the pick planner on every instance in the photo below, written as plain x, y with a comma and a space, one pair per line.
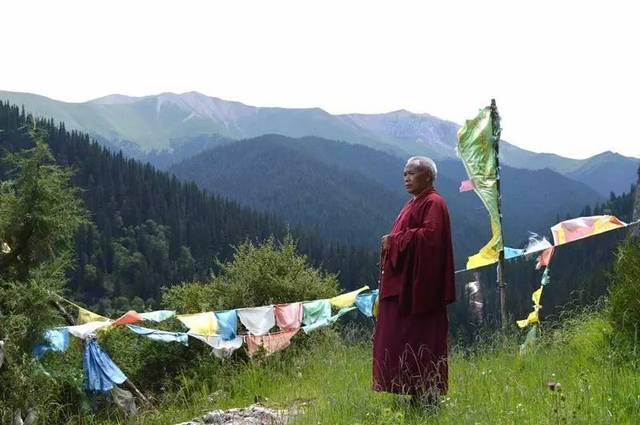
416, 284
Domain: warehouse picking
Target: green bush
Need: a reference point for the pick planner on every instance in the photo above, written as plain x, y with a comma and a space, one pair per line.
624, 296
257, 275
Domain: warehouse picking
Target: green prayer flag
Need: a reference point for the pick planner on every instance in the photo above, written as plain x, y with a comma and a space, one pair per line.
476, 149
530, 340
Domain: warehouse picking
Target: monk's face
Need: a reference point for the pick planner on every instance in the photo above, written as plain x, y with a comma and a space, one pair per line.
416, 178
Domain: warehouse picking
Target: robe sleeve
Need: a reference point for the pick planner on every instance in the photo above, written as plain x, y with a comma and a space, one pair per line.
426, 253
427, 234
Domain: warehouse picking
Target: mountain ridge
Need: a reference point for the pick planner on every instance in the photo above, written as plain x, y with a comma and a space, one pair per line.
353, 192
153, 123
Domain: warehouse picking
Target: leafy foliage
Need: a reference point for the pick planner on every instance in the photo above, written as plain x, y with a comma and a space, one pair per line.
265, 274
619, 205
624, 295
39, 214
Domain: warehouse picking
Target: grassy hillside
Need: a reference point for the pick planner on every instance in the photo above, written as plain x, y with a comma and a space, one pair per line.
492, 384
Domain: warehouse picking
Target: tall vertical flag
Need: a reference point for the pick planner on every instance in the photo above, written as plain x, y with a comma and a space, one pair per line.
477, 151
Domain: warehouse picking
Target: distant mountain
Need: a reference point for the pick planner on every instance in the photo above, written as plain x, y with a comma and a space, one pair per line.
353, 193
155, 128
606, 172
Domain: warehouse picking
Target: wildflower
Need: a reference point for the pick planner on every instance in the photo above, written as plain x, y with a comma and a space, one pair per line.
554, 386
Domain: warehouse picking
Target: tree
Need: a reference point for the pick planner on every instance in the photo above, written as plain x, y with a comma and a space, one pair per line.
269, 273
39, 214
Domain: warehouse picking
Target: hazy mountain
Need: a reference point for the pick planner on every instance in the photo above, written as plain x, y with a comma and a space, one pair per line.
155, 128
353, 193
606, 172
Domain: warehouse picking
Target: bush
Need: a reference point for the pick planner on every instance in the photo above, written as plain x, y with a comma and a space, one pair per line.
257, 275
624, 293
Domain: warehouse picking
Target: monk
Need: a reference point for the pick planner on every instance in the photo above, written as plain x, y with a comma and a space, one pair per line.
416, 284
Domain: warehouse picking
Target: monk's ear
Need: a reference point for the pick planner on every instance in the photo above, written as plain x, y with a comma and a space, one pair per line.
429, 176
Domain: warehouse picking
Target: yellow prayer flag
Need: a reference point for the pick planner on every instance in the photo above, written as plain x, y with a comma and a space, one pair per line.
535, 297
530, 320
348, 299
376, 306
86, 316
200, 323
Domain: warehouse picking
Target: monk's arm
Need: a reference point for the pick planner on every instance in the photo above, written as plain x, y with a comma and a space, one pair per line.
427, 234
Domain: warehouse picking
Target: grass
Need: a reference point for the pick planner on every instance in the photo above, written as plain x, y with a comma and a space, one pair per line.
490, 384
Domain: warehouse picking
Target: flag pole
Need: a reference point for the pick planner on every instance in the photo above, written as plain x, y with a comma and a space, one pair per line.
496, 130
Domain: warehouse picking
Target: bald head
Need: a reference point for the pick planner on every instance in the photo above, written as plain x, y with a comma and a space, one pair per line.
419, 174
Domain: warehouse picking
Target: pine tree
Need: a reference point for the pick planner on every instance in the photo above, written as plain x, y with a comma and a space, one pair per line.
39, 214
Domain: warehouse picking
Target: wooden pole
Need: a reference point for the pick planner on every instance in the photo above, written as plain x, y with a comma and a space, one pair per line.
496, 130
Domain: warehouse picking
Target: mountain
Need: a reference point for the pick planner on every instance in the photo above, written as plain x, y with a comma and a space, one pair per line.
353, 193
149, 230
154, 128
606, 172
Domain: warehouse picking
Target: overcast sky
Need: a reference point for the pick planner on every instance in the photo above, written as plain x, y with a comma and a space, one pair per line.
565, 74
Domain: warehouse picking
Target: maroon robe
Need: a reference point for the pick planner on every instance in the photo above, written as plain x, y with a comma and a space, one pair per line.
410, 340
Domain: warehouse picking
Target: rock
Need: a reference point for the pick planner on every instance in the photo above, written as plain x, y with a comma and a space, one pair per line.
252, 415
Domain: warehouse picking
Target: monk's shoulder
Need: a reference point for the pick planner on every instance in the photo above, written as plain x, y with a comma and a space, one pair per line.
434, 198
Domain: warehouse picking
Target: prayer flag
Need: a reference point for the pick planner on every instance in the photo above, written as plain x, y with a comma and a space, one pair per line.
324, 322
346, 300
101, 373
128, 318
158, 315
288, 316
545, 258
227, 324
257, 320
476, 149
314, 311
55, 340
365, 302
466, 186
160, 336
221, 348
269, 343
88, 329
512, 252
86, 316
581, 227
200, 323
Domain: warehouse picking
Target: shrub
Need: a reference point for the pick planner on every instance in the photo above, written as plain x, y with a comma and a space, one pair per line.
257, 275
624, 293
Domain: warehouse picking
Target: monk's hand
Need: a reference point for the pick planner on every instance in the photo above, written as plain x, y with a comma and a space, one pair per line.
385, 242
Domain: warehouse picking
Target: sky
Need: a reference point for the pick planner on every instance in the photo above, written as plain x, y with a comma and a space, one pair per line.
565, 74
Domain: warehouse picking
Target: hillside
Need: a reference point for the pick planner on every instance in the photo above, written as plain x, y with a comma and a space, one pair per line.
353, 193
154, 128
491, 384
149, 230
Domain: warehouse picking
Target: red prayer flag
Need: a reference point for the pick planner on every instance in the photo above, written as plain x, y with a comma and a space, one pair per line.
466, 186
128, 318
545, 258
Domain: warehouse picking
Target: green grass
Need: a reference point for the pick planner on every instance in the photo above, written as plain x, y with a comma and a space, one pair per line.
492, 384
